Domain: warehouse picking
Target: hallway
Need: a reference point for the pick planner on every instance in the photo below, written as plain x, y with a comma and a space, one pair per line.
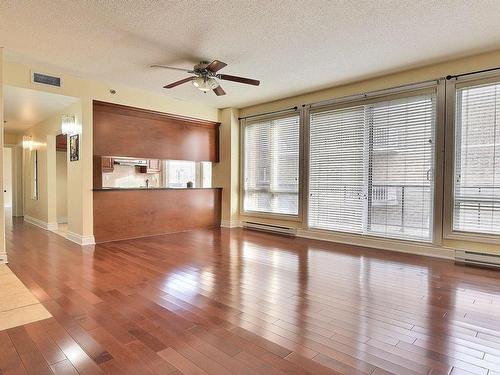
243, 302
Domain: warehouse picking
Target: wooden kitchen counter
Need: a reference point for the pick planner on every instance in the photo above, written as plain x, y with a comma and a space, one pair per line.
124, 213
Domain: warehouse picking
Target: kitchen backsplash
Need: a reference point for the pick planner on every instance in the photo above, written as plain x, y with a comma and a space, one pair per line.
129, 176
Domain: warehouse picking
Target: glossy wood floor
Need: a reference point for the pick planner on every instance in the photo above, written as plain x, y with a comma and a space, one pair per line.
242, 302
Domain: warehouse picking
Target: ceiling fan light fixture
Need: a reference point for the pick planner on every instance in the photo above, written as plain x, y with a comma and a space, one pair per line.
205, 83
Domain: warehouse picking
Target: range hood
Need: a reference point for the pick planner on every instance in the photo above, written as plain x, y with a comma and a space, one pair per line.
132, 162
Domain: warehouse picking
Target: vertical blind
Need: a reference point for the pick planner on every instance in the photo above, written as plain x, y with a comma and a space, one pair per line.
476, 203
271, 165
370, 168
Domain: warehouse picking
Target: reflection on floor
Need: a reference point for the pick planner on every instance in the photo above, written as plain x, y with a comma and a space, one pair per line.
17, 305
226, 302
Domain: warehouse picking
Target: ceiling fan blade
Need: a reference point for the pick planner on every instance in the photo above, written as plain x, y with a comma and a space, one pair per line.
247, 81
215, 66
219, 91
170, 67
177, 83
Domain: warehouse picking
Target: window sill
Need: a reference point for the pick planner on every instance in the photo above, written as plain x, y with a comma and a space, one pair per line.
271, 216
472, 237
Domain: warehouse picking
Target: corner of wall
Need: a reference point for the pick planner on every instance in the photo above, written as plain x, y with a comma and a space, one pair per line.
3, 251
226, 172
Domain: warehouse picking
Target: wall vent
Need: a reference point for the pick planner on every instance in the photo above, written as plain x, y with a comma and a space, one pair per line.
45, 79
477, 259
288, 231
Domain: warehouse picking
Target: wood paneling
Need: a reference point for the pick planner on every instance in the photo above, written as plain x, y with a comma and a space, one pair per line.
122, 214
127, 131
233, 301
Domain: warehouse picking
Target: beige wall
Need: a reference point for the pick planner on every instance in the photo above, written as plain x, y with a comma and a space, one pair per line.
43, 141
3, 253
14, 142
226, 172
483, 61
10, 138
61, 187
7, 176
80, 173
429, 72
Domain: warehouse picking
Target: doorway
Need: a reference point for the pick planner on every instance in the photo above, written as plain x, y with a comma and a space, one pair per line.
7, 178
62, 184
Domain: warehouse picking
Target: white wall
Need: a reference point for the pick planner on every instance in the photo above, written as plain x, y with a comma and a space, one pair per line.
61, 187
3, 252
7, 177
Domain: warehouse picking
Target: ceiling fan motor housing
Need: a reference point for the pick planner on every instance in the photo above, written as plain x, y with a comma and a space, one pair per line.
201, 68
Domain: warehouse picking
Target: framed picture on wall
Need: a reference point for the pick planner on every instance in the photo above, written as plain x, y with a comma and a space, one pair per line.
74, 147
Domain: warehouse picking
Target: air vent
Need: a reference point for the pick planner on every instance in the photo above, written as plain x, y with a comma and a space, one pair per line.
45, 79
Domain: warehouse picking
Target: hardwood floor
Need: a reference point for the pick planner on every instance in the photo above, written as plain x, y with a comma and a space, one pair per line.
242, 302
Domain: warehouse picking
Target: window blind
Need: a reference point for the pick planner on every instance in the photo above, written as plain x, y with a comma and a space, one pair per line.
271, 166
336, 169
370, 168
476, 203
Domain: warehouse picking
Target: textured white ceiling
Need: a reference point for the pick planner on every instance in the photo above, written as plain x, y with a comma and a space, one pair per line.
292, 46
25, 108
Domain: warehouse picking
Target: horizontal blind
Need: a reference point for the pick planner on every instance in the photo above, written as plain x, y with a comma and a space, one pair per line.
336, 169
476, 203
271, 165
370, 168
401, 158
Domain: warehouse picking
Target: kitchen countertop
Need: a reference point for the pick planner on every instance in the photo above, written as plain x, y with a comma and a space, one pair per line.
149, 188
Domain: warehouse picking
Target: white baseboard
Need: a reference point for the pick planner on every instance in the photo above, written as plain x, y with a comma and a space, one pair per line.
52, 226
230, 224
79, 239
401, 246
3, 258
62, 220
40, 223
73, 237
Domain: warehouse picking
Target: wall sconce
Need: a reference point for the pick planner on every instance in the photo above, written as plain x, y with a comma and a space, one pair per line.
69, 125
27, 142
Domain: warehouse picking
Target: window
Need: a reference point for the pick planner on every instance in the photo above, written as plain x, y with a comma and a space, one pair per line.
370, 168
476, 203
180, 172
271, 166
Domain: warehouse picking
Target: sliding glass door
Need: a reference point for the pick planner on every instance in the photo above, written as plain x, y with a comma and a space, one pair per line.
371, 168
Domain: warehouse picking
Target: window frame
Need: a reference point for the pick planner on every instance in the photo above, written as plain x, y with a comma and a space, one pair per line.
451, 90
438, 87
270, 215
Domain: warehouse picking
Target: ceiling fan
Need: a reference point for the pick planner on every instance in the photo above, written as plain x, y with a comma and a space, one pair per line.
205, 77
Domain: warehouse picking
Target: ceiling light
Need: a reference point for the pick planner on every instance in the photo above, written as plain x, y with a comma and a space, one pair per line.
205, 83
27, 142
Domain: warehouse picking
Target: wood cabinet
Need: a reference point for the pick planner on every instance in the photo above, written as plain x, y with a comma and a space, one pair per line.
107, 164
154, 165
138, 133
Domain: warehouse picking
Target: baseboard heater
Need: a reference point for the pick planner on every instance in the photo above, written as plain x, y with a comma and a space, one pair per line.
477, 259
287, 231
